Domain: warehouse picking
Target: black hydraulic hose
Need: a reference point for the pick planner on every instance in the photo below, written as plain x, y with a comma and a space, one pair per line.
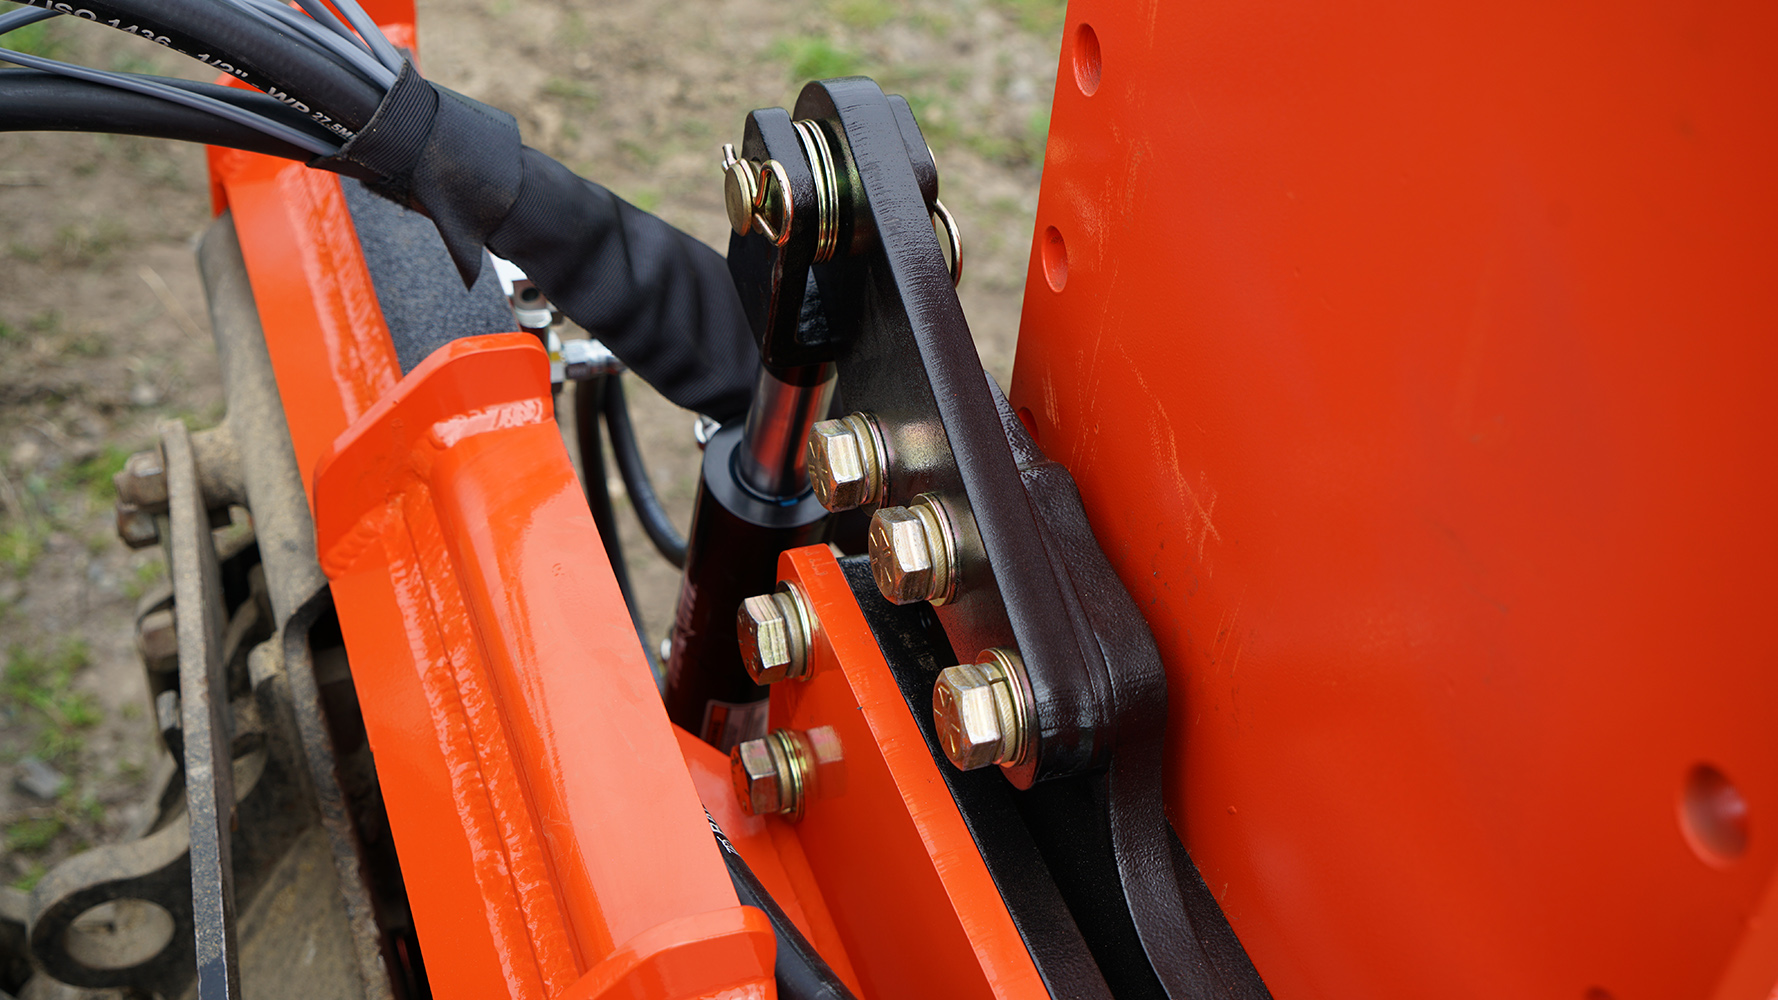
35, 101
588, 396
223, 37
801, 972
655, 521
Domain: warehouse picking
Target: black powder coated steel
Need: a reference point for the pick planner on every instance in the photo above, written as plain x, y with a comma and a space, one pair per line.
1033, 577
800, 971
732, 555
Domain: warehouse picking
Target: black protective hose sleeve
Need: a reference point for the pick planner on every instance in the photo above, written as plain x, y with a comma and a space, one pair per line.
455, 158
35, 101
801, 972
662, 301
229, 40
656, 523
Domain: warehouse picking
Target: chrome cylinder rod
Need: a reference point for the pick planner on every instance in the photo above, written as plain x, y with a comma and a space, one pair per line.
773, 458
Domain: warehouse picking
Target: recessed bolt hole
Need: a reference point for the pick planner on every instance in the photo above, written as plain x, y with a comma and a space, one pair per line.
1599, 993
1029, 419
1055, 259
1086, 59
1713, 816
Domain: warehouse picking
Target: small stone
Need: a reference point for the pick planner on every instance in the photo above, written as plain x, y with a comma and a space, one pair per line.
38, 780
26, 454
144, 395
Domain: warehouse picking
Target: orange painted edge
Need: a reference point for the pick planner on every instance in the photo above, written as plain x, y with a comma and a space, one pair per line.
846, 637
770, 848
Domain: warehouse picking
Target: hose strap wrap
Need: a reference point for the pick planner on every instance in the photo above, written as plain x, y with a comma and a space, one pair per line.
454, 158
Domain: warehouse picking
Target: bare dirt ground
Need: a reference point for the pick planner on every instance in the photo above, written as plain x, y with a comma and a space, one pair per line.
103, 330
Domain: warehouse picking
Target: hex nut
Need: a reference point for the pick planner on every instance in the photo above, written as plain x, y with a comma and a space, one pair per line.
774, 633
900, 555
136, 527
157, 640
982, 711
968, 720
754, 770
846, 463
776, 774
143, 480
765, 638
912, 553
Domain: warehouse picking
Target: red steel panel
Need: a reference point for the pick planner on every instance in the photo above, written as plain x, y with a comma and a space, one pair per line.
1415, 364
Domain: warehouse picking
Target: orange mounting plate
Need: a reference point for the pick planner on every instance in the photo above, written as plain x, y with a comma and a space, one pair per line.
1415, 367
887, 858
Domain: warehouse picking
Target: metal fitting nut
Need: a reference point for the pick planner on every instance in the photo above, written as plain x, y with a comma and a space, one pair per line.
157, 640
847, 465
777, 775
776, 632
913, 552
136, 527
983, 711
758, 781
143, 480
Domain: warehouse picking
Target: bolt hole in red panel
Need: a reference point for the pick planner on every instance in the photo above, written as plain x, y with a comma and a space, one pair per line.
1086, 58
1714, 816
1055, 259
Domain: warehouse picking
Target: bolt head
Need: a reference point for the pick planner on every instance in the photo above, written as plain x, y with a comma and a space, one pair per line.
901, 558
966, 711
839, 470
767, 646
143, 480
754, 772
157, 639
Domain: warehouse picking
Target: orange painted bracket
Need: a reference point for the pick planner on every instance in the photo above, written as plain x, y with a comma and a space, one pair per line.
323, 326
770, 848
550, 836
900, 875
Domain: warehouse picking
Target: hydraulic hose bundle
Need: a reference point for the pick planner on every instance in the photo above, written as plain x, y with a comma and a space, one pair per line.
338, 95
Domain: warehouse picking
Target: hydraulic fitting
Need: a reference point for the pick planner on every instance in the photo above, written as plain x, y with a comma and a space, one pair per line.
776, 632
984, 711
847, 462
913, 552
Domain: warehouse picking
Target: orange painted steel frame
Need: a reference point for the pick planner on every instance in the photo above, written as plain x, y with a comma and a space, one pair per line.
909, 897
1416, 365
552, 841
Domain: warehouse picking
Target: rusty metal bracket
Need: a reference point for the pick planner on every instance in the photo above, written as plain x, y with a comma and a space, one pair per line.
203, 685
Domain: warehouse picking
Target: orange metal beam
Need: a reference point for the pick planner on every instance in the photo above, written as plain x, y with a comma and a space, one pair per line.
549, 833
